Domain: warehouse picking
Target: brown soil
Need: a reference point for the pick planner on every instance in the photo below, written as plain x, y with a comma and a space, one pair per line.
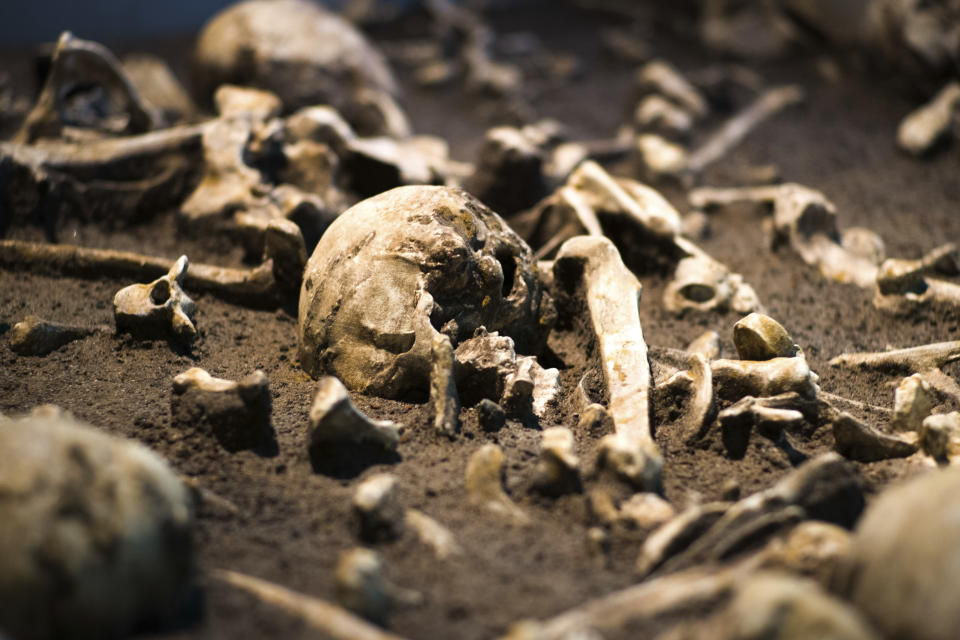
292, 522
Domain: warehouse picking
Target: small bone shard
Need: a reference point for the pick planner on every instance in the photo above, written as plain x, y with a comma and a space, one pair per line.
558, 470
236, 413
912, 402
940, 436
910, 360
706, 344
858, 441
86, 88
377, 507
484, 480
159, 309
334, 419
254, 287
655, 114
760, 337
920, 131
361, 586
443, 388
661, 78
740, 419
433, 534
613, 294
36, 337
325, 617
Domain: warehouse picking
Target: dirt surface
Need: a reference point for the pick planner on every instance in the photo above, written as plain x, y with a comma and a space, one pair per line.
290, 522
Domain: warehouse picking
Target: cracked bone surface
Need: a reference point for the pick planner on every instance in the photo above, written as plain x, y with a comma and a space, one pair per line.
806, 220
86, 88
334, 419
295, 49
396, 269
36, 337
612, 295
236, 413
484, 481
159, 309
128, 558
923, 128
254, 287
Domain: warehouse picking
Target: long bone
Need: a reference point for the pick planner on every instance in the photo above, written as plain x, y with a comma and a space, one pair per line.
613, 295
255, 287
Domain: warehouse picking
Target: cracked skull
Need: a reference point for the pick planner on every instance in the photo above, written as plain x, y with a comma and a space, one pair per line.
397, 268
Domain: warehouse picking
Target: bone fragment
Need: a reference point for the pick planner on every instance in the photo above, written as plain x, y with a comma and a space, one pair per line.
738, 421
443, 387
700, 404
256, 287
707, 344
159, 309
612, 294
910, 360
158, 87
661, 157
595, 420
737, 378
859, 441
35, 337
334, 419
940, 436
659, 77
677, 534
923, 128
484, 480
433, 534
558, 469
377, 508
645, 511
701, 283
490, 415
325, 617
908, 276
912, 402
760, 337
656, 114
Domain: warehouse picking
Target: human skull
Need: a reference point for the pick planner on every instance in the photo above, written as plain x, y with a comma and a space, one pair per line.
397, 268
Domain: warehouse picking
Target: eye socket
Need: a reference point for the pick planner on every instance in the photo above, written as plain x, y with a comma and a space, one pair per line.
508, 264
160, 292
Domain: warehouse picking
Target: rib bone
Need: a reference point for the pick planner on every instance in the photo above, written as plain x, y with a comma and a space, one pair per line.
613, 294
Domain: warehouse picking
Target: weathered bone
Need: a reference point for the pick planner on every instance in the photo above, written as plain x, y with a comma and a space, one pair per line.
661, 78
490, 415
236, 413
433, 534
656, 114
864, 443
84, 78
509, 172
923, 128
735, 379
738, 421
558, 469
325, 617
377, 506
912, 402
159, 87
159, 309
334, 419
700, 404
760, 337
661, 157
904, 285
677, 533
36, 337
940, 436
706, 344
361, 586
612, 294
255, 287
443, 387
910, 360
703, 284
484, 480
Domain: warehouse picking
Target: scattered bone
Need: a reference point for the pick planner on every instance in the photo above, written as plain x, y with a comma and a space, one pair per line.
940, 436
739, 420
912, 402
706, 344
923, 128
379, 282
595, 420
904, 285
490, 415
361, 587
159, 309
378, 509
660, 77
677, 534
518, 389
660, 157
36, 337
760, 337
323, 60
433, 534
509, 172
943, 384
325, 617
737, 128
443, 388
656, 114
695, 225
701, 283
484, 479
87, 88
645, 511
255, 287
911, 360
236, 413
861, 442
612, 295
864, 243
334, 419
735, 379
699, 406
558, 470
157, 85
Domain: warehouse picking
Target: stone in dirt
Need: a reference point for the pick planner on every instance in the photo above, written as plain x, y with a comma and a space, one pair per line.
95, 531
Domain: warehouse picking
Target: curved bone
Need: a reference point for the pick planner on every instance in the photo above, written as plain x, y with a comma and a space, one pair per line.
158, 309
760, 337
484, 480
612, 295
334, 418
703, 284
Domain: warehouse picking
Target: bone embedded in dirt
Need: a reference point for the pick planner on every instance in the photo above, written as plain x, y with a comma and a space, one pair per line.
335, 419
701, 283
433, 534
909, 276
159, 309
509, 172
760, 337
912, 359
33, 336
376, 504
645, 511
912, 402
360, 585
558, 471
398, 268
129, 558
443, 387
700, 404
236, 413
738, 421
490, 415
613, 294
923, 128
735, 379
484, 480
940, 436
707, 344
859, 441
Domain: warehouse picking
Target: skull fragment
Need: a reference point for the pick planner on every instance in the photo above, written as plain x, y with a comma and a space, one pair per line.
394, 270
